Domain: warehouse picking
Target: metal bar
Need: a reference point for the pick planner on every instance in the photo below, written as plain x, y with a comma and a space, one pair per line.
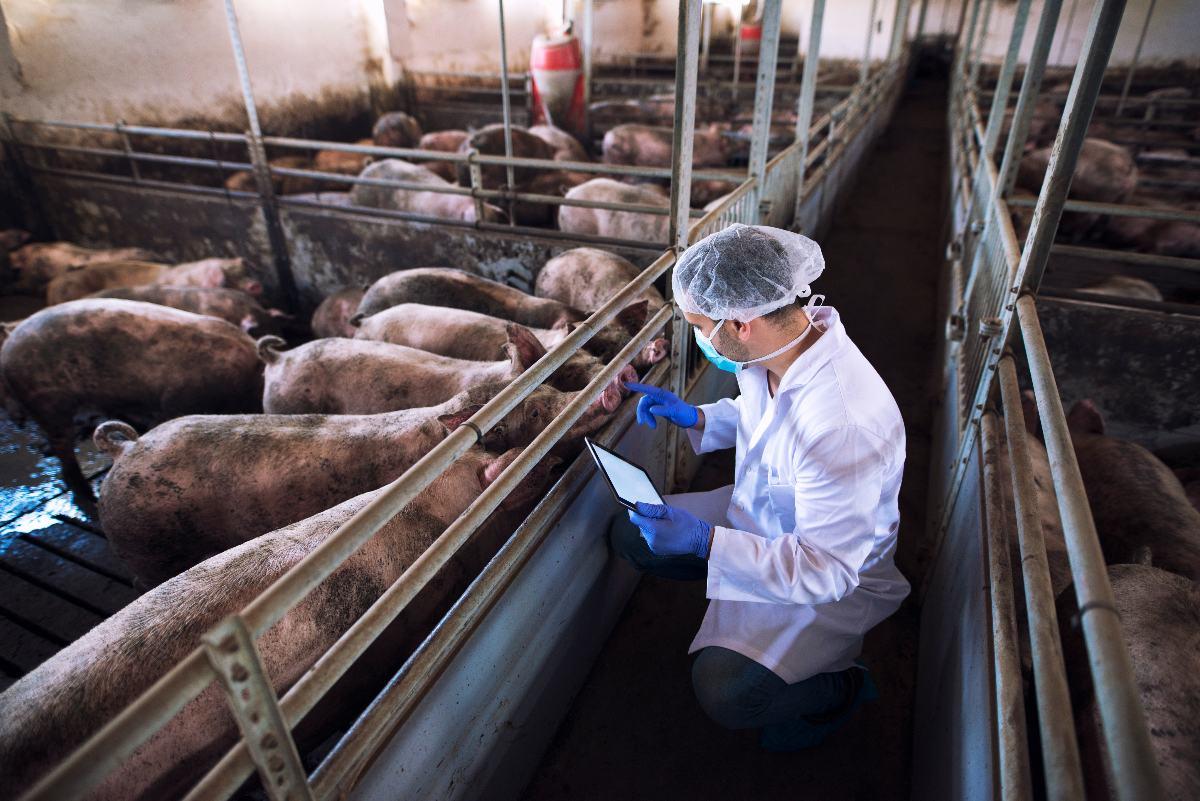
1127, 257
981, 42
899, 29
808, 87
1063, 772
128, 148
1011, 738
88, 765
1078, 112
865, 68
1031, 83
764, 96
1137, 54
707, 10
137, 130
921, 20
508, 151
964, 50
186, 161
380, 719
737, 46
231, 652
1134, 771
258, 157
1116, 210
1004, 81
686, 67
588, 35
146, 183
1062, 45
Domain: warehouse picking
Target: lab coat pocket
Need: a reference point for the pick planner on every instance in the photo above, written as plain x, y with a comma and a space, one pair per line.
783, 505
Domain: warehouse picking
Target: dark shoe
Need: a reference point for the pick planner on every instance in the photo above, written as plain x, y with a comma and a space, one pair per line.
811, 731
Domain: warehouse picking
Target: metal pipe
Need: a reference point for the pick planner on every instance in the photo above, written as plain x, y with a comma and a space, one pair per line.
1063, 771
1134, 771
137, 130
258, 157
865, 67
1062, 45
764, 96
1011, 739
1085, 86
186, 161
737, 47
963, 53
921, 21
588, 36
1031, 83
1137, 54
899, 29
508, 150
1004, 80
146, 183
707, 11
1116, 210
1127, 257
982, 41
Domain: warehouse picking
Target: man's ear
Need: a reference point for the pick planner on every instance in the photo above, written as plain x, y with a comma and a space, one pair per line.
743, 330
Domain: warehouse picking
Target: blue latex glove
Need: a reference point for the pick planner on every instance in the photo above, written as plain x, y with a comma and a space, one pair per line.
671, 531
658, 402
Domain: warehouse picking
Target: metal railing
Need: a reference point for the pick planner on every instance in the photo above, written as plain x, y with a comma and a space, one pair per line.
228, 653
996, 306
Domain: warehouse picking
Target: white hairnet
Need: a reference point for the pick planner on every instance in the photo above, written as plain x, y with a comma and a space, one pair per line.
746, 271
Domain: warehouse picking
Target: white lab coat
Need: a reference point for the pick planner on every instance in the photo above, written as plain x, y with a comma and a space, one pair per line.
801, 562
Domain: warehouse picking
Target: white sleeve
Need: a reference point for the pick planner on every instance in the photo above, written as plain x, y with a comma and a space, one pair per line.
720, 426
839, 482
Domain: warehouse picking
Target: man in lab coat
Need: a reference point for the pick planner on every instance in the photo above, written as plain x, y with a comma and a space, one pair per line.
798, 553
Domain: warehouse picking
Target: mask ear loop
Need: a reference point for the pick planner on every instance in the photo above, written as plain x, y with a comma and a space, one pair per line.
814, 302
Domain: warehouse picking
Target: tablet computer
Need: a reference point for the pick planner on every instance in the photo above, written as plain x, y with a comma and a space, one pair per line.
628, 482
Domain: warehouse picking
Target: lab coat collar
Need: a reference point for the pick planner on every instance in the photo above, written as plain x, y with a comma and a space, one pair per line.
814, 358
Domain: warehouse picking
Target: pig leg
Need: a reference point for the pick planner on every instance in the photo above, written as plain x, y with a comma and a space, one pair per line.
62, 446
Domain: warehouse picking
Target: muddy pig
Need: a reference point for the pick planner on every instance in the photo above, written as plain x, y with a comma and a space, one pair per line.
343, 162
489, 141
231, 305
54, 709
396, 129
554, 182
1136, 500
41, 262
1124, 286
1105, 173
650, 146
634, 225
357, 376
462, 334
566, 147
1160, 616
458, 289
198, 485
585, 278
99, 276
332, 317
431, 203
443, 142
244, 181
120, 358
214, 272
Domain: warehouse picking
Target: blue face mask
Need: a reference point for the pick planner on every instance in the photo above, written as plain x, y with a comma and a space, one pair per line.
729, 365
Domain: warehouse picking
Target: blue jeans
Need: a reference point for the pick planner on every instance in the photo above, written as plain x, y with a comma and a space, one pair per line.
733, 689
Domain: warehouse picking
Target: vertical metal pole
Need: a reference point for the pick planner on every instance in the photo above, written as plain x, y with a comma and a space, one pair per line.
921, 21
1081, 101
995, 116
127, 146
508, 151
981, 42
899, 30
1066, 32
231, 652
764, 97
1137, 54
964, 47
706, 12
865, 69
737, 48
686, 65
808, 90
1031, 84
262, 170
1013, 746
589, 33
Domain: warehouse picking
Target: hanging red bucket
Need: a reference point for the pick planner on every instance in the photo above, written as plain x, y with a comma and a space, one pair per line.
751, 37
556, 68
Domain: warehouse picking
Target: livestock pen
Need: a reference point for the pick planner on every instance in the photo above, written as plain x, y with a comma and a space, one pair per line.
99, 193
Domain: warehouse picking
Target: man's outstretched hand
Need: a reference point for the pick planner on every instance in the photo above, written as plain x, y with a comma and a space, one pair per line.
657, 402
671, 531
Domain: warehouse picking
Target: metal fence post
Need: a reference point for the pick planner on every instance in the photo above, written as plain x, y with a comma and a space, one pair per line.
686, 65
1066, 32
995, 116
764, 99
737, 47
921, 21
808, 88
588, 37
127, 146
1031, 84
964, 47
1137, 54
507, 109
231, 652
899, 30
865, 68
262, 170
981, 42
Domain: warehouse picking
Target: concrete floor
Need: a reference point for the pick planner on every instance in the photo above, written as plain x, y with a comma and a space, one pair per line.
635, 731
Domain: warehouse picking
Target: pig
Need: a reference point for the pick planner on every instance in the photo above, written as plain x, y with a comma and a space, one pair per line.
1105, 173
635, 225
358, 376
443, 142
1160, 617
13, 238
1162, 237
121, 358
458, 289
198, 485
396, 129
1136, 501
705, 192
59, 705
431, 203
489, 140
566, 147
554, 182
650, 146
99, 276
1124, 286
41, 262
1189, 477
585, 278
244, 181
341, 161
231, 305
461, 334
332, 317
213, 272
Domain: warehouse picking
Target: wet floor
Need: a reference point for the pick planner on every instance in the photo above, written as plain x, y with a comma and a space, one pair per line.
635, 731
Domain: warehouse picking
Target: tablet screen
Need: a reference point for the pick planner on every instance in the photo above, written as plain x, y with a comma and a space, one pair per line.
630, 481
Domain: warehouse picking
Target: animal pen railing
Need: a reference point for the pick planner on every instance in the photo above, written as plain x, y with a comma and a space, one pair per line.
993, 285
776, 191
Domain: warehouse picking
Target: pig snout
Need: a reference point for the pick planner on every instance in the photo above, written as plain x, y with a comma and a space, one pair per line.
609, 399
653, 353
628, 373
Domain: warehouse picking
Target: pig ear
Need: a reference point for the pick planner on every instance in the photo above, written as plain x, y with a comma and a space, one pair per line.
633, 316
523, 347
1085, 417
494, 467
455, 419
